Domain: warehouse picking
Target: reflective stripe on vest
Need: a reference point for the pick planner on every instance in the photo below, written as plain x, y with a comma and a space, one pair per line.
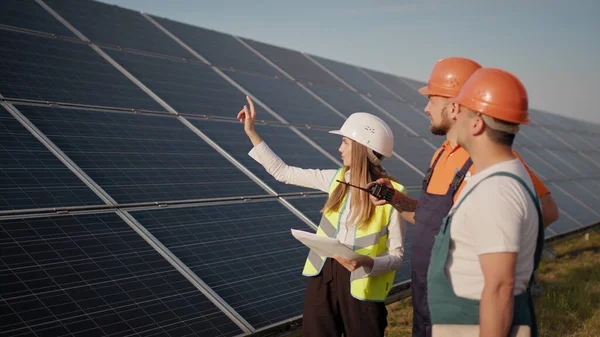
369, 240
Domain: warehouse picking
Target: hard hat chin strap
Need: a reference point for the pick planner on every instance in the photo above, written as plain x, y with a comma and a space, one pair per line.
373, 158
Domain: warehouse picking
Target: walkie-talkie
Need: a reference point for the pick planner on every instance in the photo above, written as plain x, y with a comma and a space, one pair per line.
377, 190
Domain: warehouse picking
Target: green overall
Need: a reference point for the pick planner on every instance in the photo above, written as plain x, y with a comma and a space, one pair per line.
448, 308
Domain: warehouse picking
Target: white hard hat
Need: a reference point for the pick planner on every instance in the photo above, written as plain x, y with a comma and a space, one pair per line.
370, 131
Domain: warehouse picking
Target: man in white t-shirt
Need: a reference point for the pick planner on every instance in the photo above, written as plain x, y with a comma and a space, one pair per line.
488, 246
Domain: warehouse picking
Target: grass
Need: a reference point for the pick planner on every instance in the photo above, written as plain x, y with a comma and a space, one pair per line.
569, 305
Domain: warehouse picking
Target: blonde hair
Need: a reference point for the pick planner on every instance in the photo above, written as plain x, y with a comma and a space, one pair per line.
362, 171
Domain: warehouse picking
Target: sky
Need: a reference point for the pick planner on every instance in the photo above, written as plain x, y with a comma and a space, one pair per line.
553, 46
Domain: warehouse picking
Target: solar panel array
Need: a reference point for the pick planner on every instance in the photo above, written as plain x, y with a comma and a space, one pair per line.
128, 202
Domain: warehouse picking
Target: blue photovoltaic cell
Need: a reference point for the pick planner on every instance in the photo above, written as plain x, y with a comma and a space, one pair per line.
30, 15
394, 166
524, 141
584, 194
310, 206
580, 162
553, 157
140, 157
42, 68
541, 118
574, 208
355, 77
294, 63
222, 50
190, 88
110, 24
541, 137
292, 149
413, 83
347, 102
400, 87
242, 251
564, 224
31, 176
93, 275
581, 142
410, 116
550, 120
288, 100
539, 164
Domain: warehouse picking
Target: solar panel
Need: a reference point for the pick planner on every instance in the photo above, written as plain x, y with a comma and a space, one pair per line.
31, 176
355, 77
292, 149
294, 63
42, 68
582, 193
565, 223
140, 157
110, 24
581, 213
92, 275
278, 95
190, 88
29, 15
310, 206
539, 164
595, 158
221, 50
579, 142
541, 137
400, 88
588, 142
553, 157
244, 252
413, 83
411, 117
580, 163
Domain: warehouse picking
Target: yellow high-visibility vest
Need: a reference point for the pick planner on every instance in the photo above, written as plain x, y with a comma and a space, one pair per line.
369, 240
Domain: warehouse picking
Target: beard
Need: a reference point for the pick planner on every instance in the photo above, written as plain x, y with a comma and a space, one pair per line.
443, 127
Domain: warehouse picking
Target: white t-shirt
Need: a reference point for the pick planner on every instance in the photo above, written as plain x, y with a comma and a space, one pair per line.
498, 216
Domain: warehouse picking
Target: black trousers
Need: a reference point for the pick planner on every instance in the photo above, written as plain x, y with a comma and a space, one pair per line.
330, 310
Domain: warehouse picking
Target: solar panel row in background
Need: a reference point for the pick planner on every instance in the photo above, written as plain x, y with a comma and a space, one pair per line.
128, 201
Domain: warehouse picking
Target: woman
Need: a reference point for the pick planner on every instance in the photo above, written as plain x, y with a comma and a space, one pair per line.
346, 296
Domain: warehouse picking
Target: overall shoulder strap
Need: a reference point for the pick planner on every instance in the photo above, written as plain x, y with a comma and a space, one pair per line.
540, 236
430, 170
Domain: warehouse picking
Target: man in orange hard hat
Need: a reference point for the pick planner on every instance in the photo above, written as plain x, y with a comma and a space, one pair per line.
489, 245
447, 175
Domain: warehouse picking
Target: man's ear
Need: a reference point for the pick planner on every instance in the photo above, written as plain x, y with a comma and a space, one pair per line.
478, 126
453, 110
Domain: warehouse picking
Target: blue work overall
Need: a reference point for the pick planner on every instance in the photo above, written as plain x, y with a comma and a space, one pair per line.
448, 308
431, 210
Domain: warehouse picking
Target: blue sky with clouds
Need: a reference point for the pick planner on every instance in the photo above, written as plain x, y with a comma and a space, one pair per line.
552, 45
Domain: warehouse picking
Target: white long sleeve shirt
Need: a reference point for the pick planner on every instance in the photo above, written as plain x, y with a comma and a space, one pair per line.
320, 180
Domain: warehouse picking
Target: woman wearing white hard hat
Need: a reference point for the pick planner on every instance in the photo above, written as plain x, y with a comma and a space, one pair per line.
346, 296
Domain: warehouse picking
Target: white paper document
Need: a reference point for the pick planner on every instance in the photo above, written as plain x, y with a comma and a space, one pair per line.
325, 246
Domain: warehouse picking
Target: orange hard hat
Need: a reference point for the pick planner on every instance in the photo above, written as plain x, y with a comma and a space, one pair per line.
448, 76
496, 93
